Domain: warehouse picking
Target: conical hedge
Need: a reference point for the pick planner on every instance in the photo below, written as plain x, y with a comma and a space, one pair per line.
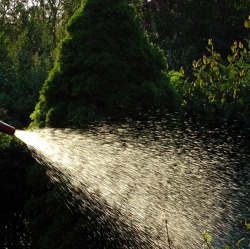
105, 66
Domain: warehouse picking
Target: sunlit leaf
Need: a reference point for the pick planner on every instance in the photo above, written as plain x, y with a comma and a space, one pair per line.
239, 241
205, 59
175, 73
206, 236
235, 92
247, 24
229, 58
194, 64
182, 71
210, 42
199, 63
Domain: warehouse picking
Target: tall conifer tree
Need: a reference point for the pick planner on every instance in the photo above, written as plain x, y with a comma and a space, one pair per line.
105, 63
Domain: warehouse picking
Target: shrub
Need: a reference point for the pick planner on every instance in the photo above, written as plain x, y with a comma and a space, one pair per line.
222, 87
104, 63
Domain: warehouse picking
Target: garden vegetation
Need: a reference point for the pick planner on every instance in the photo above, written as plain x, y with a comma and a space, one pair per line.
65, 63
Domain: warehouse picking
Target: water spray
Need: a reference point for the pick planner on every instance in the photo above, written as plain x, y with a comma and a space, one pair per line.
8, 129
160, 182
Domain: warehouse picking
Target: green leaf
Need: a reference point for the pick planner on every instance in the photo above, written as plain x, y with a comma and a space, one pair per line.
194, 64
247, 24
207, 237
230, 58
205, 59
217, 56
210, 42
239, 241
182, 71
241, 45
204, 74
175, 73
221, 66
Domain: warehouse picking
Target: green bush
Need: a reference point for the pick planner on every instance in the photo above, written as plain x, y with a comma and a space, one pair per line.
104, 63
221, 88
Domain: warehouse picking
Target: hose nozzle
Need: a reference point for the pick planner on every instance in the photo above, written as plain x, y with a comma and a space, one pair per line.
5, 128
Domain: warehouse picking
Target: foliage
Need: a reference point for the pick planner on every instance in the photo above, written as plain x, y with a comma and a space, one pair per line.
104, 64
221, 88
181, 28
28, 36
242, 243
21, 80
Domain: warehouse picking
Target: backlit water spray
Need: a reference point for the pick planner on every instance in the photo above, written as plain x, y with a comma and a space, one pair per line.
150, 175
